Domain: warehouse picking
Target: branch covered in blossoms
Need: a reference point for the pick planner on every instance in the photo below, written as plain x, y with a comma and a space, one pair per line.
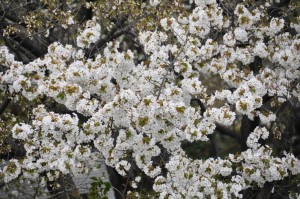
168, 78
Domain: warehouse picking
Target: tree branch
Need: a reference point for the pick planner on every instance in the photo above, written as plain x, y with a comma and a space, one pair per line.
225, 131
4, 105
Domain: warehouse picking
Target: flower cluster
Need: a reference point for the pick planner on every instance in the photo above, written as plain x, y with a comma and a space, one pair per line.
91, 34
138, 109
54, 143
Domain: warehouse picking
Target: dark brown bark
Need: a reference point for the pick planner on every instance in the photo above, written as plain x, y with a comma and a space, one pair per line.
4, 105
117, 182
116, 32
67, 188
288, 120
247, 127
226, 131
265, 191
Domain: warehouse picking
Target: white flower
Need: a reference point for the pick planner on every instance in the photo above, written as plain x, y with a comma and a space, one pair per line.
253, 138
122, 167
154, 2
22, 131
12, 170
261, 50
266, 117
245, 105
276, 25
6, 57
241, 34
138, 178
70, 21
202, 3
89, 35
229, 39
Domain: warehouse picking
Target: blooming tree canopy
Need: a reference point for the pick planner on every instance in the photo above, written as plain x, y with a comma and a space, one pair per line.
133, 82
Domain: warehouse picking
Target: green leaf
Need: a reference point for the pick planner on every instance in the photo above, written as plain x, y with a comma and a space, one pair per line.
61, 95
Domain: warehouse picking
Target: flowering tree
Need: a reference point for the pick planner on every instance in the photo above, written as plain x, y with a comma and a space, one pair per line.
141, 84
